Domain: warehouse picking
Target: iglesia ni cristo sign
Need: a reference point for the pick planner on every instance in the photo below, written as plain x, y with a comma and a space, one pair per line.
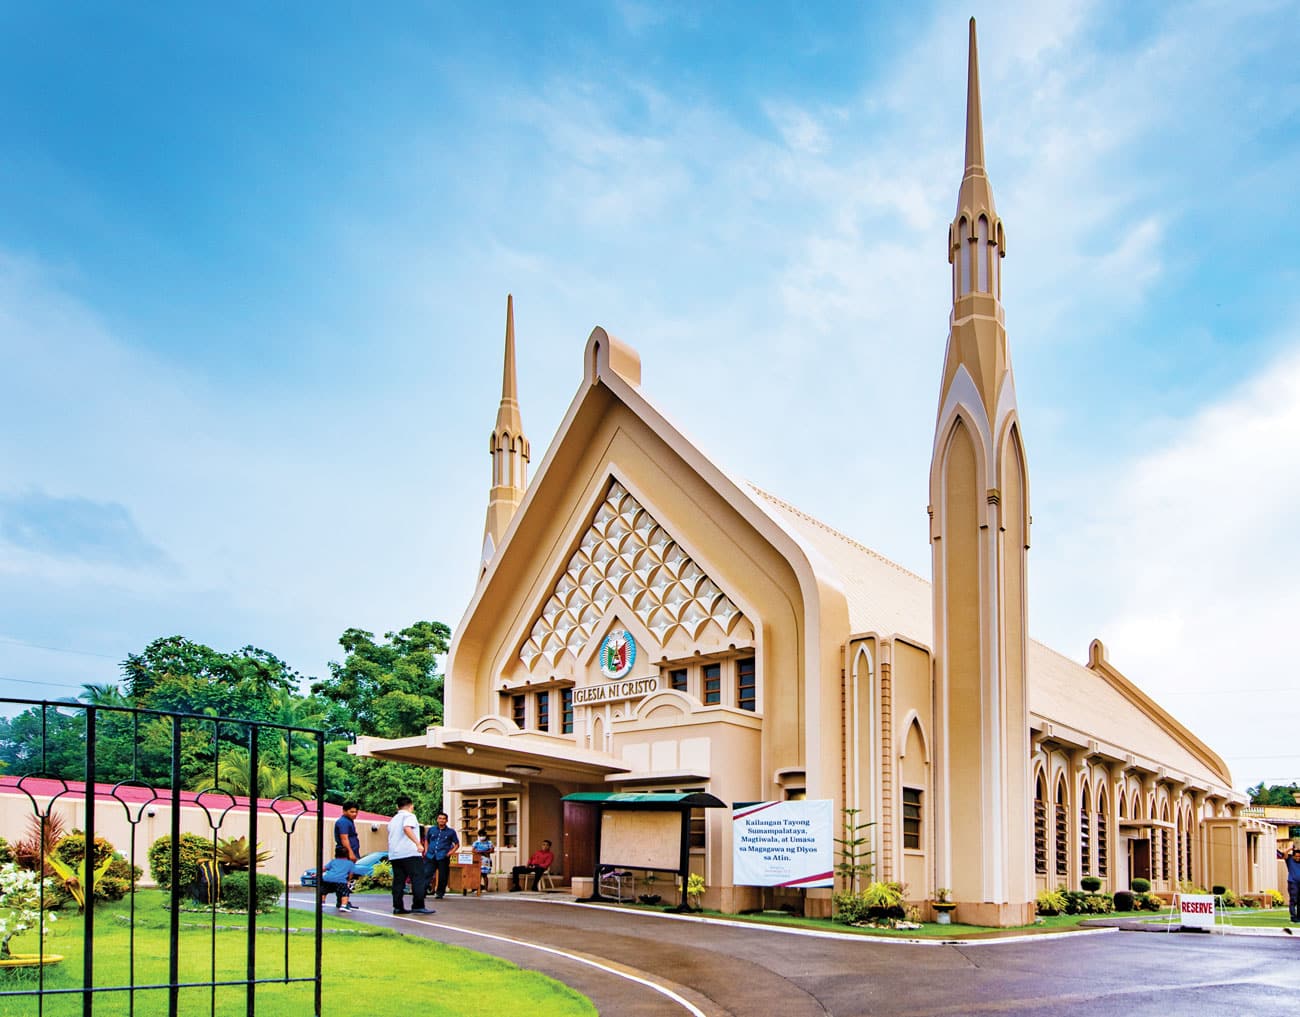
631, 688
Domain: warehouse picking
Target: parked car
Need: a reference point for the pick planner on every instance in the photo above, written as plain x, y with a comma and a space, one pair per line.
365, 867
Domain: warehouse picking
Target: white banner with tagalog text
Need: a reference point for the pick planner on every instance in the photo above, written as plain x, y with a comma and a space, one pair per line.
783, 844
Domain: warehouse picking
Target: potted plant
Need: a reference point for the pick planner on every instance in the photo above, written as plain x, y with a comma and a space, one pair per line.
943, 905
650, 897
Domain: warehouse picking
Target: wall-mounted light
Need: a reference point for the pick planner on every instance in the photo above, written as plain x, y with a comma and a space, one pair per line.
523, 769
150, 813
469, 750
374, 827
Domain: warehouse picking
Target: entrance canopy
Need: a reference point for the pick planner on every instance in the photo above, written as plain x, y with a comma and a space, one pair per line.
493, 755
666, 800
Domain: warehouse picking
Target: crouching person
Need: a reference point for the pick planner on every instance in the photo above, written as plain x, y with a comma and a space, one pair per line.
336, 879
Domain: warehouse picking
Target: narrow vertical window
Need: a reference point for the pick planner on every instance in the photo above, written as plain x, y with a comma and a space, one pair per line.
566, 714
509, 822
517, 710
543, 711
1085, 835
746, 687
1040, 828
1062, 833
912, 819
677, 679
1101, 837
712, 684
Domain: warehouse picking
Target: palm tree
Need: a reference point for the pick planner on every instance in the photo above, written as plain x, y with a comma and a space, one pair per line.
273, 778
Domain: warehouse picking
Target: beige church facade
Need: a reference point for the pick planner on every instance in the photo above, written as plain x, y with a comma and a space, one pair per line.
644, 621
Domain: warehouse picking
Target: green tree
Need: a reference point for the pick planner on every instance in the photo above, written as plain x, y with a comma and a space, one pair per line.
1276, 794
389, 689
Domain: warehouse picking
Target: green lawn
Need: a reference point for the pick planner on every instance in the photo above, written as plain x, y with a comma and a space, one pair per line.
1260, 918
361, 967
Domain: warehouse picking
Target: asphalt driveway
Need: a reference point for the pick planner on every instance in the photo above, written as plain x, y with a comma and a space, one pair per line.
633, 963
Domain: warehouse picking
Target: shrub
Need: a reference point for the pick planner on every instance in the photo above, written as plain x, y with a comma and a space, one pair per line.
113, 884
381, 879
194, 849
1091, 883
234, 891
1140, 885
1123, 900
878, 901
1148, 902
1187, 886
1275, 898
6, 852
1230, 899
1051, 902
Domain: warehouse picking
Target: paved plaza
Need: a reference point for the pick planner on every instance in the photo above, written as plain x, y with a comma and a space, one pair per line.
638, 964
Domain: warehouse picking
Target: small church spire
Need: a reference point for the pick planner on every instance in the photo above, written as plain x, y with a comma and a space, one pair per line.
509, 450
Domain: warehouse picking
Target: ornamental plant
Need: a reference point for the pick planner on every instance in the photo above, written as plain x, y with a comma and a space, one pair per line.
234, 854
1051, 902
20, 904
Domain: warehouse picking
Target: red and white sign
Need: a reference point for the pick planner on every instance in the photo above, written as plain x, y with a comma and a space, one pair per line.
1197, 910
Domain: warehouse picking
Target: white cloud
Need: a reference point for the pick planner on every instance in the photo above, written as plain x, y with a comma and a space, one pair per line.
1189, 558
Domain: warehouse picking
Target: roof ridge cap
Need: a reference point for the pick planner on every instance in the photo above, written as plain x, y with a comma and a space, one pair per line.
833, 531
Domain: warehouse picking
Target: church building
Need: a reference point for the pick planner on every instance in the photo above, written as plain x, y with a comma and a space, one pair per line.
645, 621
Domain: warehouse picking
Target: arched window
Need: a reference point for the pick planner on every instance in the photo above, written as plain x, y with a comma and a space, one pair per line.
1085, 831
1062, 831
1040, 826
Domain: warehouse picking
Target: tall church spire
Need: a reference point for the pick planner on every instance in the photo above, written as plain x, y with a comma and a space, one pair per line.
974, 121
509, 450
979, 538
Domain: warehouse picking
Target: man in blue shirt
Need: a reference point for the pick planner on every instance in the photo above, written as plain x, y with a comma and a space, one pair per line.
1293, 880
345, 831
442, 842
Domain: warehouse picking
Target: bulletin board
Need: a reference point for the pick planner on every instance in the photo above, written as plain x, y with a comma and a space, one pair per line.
641, 840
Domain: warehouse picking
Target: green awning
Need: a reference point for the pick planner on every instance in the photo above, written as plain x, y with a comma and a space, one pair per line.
648, 799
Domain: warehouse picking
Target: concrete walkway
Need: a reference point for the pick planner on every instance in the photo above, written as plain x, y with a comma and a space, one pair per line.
636, 963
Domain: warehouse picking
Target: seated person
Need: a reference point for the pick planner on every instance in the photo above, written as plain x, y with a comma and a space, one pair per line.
539, 863
336, 877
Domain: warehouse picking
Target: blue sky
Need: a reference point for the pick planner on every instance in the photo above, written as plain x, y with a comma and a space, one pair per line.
253, 266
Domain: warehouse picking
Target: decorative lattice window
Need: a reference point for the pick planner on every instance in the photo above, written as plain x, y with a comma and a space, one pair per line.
517, 710
677, 679
566, 711
543, 711
626, 554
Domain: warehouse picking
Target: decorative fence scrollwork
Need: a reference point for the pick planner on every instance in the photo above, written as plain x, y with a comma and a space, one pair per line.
181, 775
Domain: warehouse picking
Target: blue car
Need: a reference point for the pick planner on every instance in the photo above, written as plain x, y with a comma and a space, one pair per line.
365, 867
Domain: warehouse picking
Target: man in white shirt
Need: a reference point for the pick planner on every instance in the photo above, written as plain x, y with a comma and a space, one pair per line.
406, 855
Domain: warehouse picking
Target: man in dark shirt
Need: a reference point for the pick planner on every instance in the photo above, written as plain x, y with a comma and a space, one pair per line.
442, 841
345, 831
1293, 880
539, 863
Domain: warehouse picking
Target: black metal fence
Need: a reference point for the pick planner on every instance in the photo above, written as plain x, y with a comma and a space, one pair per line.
133, 764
